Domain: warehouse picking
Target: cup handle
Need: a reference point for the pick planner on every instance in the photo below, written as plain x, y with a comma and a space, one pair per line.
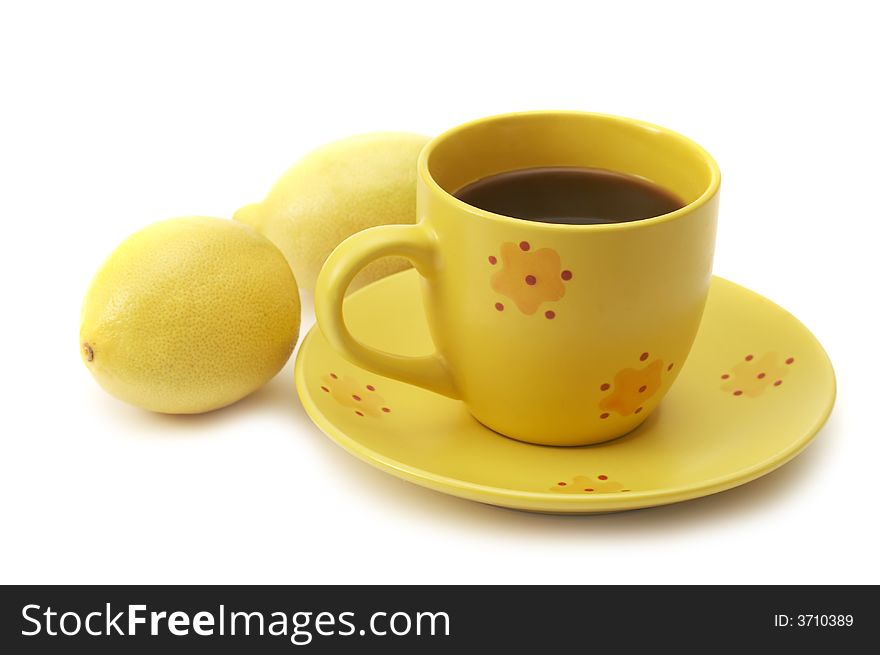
414, 243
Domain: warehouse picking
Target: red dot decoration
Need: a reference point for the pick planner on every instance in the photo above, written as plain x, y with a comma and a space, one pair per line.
493, 260
370, 387
358, 412
643, 356
605, 387
387, 410
355, 397
603, 477
325, 389
725, 376
638, 409
604, 415
777, 383
333, 375
761, 376
561, 484
790, 360
643, 388
531, 280
524, 246
499, 306
588, 489
738, 392
749, 358
566, 275
550, 314
669, 368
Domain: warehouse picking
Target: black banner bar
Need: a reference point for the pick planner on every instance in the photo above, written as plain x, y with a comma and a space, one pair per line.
331, 619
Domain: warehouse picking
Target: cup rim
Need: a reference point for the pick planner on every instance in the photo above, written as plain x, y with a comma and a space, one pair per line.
710, 191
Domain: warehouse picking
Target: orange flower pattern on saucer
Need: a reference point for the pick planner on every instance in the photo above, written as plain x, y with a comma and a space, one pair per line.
631, 387
582, 484
529, 277
752, 376
348, 392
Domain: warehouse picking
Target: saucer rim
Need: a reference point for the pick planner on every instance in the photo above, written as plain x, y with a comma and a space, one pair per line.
546, 501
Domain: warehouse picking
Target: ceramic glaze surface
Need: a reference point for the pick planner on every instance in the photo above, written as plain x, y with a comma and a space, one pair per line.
704, 437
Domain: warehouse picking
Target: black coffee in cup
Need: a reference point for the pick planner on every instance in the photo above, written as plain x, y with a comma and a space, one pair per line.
570, 195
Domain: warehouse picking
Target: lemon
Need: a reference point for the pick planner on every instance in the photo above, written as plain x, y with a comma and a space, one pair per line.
337, 190
188, 315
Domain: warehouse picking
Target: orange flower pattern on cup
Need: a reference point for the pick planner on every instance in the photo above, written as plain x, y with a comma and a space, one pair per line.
582, 484
348, 392
529, 277
632, 387
752, 376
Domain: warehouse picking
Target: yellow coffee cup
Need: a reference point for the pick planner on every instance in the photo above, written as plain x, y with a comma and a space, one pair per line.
586, 348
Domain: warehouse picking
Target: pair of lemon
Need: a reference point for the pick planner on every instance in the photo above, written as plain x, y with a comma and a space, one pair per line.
192, 314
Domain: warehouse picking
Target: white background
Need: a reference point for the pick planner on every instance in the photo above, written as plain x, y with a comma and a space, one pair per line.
114, 117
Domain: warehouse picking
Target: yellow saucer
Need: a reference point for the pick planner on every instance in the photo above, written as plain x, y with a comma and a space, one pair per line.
754, 391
